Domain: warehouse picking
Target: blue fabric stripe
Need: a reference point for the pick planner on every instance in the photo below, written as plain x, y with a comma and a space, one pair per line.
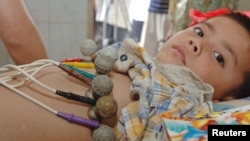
159, 6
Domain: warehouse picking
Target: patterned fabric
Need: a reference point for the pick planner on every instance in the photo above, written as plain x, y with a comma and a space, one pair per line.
158, 6
180, 9
163, 89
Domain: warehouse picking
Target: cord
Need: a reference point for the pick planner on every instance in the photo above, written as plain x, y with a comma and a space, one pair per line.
23, 69
28, 97
43, 63
36, 70
69, 117
10, 66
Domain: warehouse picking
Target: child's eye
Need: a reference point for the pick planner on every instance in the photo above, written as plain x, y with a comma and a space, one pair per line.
198, 31
219, 58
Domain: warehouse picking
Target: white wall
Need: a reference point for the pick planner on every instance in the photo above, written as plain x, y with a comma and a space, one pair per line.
63, 25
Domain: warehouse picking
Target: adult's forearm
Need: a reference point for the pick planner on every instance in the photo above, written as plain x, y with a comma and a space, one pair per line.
26, 47
19, 33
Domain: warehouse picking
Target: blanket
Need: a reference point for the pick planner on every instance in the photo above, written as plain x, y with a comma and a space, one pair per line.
184, 129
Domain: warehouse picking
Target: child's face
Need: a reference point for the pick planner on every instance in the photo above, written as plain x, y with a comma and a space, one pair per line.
218, 51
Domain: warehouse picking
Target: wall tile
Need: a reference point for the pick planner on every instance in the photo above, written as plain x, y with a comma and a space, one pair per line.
65, 40
38, 9
68, 10
44, 31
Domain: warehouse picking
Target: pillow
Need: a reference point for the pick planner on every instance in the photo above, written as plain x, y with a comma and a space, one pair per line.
231, 104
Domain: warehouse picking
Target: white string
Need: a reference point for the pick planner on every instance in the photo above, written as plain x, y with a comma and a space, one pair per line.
36, 70
33, 64
25, 73
32, 68
28, 97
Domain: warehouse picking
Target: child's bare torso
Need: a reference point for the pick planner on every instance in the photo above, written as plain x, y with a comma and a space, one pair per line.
23, 120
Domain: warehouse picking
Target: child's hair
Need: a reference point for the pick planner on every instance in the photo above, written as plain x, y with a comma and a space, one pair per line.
244, 21
240, 18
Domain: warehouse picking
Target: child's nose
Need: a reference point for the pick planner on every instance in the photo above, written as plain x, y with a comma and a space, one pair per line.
196, 48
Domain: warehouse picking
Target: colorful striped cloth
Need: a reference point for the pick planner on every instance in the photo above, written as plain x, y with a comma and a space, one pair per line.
159, 6
163, 89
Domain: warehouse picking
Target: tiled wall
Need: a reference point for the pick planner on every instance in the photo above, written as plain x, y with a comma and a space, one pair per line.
63, 25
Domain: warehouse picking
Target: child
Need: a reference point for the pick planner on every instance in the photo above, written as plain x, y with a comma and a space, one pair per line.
207, 61
217, 62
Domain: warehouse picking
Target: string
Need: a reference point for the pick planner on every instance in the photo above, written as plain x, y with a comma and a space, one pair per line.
28, 97
70, 117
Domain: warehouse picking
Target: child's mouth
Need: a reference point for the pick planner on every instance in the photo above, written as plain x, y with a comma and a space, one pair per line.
180, 54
